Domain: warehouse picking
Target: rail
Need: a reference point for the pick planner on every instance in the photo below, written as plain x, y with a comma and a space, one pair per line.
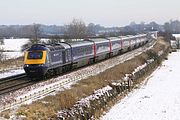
12, 83
13, 77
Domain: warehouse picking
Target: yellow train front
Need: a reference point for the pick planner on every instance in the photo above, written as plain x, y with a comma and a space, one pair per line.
35, 62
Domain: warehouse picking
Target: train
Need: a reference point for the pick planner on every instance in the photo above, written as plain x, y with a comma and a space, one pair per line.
42, 60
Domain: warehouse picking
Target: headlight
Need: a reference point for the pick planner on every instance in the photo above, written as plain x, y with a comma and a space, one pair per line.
26, 65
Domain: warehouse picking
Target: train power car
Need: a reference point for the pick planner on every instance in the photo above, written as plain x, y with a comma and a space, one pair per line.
43, 60
39, 59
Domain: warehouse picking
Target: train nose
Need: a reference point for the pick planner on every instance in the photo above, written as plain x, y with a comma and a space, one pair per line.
35, 70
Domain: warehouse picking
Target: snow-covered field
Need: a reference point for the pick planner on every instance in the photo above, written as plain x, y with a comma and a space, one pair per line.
11, 73
15, 45
176, 35
157, 99
10, 55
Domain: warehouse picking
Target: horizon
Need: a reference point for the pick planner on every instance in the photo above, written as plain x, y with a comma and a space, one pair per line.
89, 23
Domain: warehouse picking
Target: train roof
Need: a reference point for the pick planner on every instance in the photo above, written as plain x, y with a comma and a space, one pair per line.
131, 36
37, 47
79, 43
65, 45
114, 38
51, 47
141, 35
98, 40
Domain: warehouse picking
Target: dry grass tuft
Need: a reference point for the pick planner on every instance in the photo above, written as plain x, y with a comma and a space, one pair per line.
5, 114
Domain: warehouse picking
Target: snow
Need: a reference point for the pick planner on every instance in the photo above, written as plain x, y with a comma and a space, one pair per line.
85, 102
97, 94
139, 68
10, 55
14, 44
11, 73
176, 35
157, 99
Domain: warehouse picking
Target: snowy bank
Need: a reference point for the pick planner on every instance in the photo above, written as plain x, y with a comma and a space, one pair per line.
15, 45
11, 73
157, 99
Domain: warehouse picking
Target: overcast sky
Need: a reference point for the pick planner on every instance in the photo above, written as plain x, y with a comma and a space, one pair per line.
104, 12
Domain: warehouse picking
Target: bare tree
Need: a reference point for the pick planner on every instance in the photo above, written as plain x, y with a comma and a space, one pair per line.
36, 32
35, 36
91, 29
76, 29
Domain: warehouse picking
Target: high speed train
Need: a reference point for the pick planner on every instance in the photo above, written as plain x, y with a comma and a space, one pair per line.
49, 59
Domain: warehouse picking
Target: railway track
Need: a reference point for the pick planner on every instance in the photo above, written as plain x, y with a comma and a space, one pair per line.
10, 78
13, 83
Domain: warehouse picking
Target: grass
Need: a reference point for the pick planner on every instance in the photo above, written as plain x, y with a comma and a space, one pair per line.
5, 114
50, 105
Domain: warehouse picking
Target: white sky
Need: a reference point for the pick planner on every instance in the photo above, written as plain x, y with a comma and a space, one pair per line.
104, 12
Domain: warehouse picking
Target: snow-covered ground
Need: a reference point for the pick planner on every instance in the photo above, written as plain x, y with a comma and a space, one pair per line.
15, 45
11, 73
11, 55
157, 99
176, 35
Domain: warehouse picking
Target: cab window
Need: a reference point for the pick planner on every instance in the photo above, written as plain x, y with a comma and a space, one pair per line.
35, 55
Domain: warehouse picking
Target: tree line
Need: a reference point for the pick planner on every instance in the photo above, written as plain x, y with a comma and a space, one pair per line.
77, 29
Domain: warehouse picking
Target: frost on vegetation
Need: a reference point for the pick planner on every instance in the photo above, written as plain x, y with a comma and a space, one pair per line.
160, 53
139, 68
95, 96
129, 76
11, 73
85, 102
150, 61
126, 78
143, 66
120, 82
